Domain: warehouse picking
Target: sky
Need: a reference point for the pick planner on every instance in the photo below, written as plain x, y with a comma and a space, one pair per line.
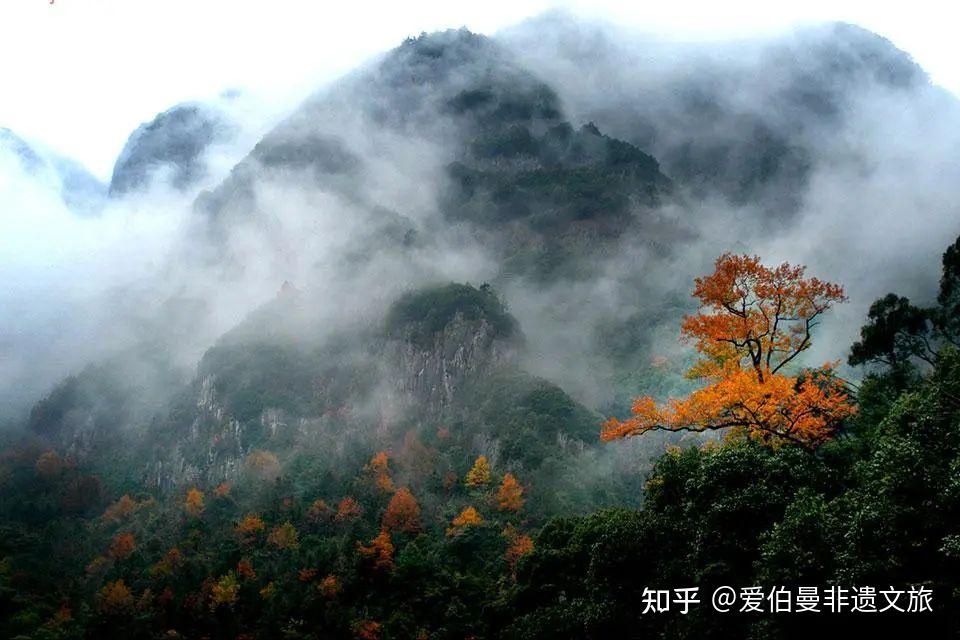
80, 75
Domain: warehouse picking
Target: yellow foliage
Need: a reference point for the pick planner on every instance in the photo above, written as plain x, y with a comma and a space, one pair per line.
479, 475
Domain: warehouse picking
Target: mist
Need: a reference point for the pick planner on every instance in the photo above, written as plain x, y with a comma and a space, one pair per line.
863, 191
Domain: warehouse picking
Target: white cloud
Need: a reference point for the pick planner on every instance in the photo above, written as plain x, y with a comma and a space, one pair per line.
80, 75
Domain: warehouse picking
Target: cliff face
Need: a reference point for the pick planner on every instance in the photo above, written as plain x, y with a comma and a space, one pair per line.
431, 377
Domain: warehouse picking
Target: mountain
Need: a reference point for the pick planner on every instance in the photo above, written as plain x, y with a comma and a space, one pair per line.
511, 171
173, 145
744, 120
486, 246
80, 191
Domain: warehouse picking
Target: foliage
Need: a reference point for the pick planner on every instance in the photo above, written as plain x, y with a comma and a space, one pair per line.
419, 315
753, 322
479, 474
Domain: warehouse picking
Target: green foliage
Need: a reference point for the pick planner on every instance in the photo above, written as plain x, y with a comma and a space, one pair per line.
419, 315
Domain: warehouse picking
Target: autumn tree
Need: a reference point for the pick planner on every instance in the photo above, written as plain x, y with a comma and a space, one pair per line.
224, 591
403, 512
115, 598
319, 511
469, 517
518, 545
122, 546
250, 527
348, 509
379, 551
479, 474
193, 505
329, 587
120, 510
379, 468
284, 536
510, 494
753, 323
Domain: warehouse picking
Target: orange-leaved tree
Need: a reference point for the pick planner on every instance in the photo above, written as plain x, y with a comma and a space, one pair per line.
752, 324
403, 512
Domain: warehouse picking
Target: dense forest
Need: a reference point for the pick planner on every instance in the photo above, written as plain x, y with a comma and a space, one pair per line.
419, 541
404, 362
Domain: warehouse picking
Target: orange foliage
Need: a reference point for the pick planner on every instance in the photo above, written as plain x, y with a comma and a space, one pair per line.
222, 490
194, 502
479, 475
250, 527
122, 546
115, 598
510, 494
348, 509
752, 323
284, 537
380, 551
469, 517
368, 630
518, 545
403, 512
245, 569
120, 510
329, 587
380, 469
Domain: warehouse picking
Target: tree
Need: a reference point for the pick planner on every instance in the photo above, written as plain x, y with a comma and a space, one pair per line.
896, 332
403, 512
120, 510
379, 467
329, 587
115, 598
753, 322
379, 551
250, 527
518, 545
510, 494
122, 546
479, 474
194, 502
284, 536
224, 591
348, 509
469, 517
